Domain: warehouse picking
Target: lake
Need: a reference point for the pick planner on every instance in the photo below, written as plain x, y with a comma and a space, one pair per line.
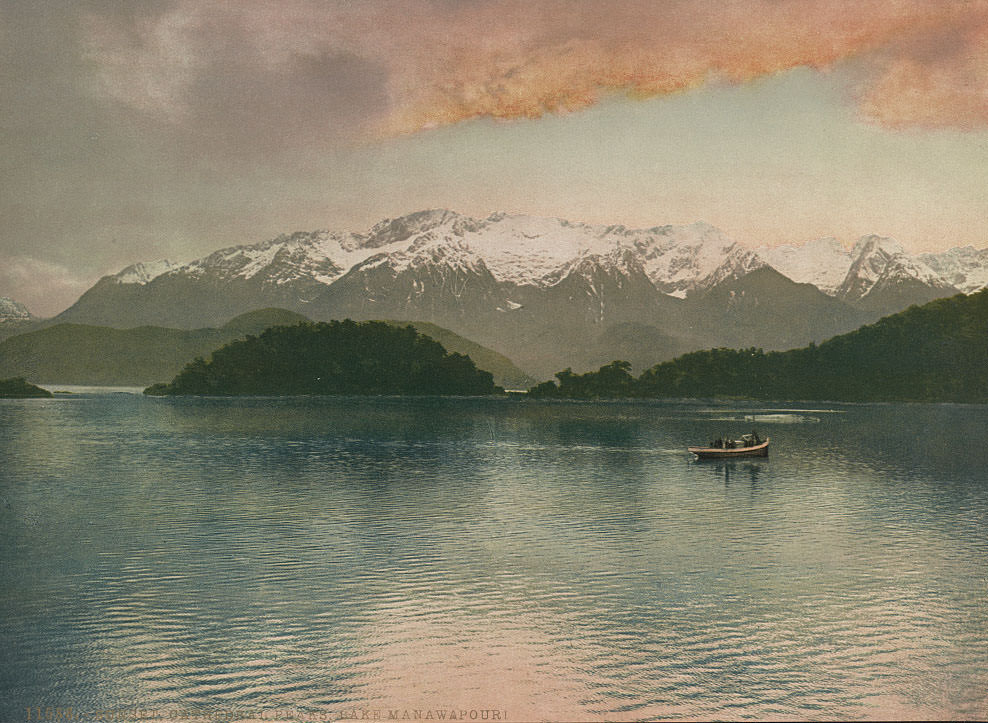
489, 559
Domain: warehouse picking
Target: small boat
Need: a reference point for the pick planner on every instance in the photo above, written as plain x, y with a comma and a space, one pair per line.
748, 446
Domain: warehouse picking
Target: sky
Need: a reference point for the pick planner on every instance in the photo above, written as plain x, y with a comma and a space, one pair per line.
134, 130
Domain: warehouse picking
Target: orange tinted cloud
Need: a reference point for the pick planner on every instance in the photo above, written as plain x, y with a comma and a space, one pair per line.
444, 61
936, 79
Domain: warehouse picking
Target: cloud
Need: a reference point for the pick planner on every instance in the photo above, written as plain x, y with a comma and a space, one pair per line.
938, 78
45, 288
243, 77
325, 70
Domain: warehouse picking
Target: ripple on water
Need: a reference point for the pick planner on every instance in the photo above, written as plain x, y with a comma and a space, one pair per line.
554, 561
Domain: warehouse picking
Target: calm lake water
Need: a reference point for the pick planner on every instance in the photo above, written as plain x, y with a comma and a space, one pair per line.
317, 559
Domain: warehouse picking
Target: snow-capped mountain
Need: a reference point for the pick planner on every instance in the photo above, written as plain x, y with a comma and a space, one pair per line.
11, 310
519, 250
143, 272
431, 279
877, 272
519, 284
964, 268
822, 262
879, 263
530, 251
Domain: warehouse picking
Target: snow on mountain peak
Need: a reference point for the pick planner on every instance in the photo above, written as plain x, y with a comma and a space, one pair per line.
738, 261
145, 271
396, 230
454, 254
313, 256
874, 244
517, 249
679, 259
878, 260
528, 250
11, 310
823, 262
965, 268
534, 251
618, 261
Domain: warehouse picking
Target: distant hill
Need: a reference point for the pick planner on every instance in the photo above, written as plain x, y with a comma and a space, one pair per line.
640, 344
13, 327
937, 352
506, 374
83, 354
254, 322
98, 355
341, 357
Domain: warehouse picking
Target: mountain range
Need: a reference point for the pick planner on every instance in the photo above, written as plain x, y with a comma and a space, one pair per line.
546, 292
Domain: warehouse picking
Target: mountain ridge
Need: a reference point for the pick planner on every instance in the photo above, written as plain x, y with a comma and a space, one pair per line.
516, 283
528, 250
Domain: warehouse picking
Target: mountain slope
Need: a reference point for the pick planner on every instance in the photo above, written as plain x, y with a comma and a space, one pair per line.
765, 309
506, 374
573, 317
935, 353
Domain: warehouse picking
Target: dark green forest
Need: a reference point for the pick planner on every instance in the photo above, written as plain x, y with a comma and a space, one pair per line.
339, 357
937, 352
20, 388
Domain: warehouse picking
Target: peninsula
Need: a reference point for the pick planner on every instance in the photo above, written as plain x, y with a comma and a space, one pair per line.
20, 388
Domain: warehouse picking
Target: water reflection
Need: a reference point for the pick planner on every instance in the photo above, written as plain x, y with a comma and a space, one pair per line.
562, 561
734, 471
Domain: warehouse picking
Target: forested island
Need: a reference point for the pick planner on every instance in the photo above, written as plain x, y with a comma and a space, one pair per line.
20, 388
338, 357
937, 352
